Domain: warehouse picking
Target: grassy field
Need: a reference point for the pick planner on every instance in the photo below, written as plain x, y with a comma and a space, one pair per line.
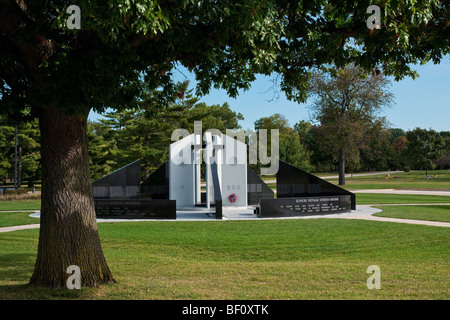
20, 205
19, 218
9, 219
262, 259
430, 213
375, 198
277, 259
407, 180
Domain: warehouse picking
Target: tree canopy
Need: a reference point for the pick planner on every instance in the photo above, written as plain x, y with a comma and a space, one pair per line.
347, 101
424, 146
291, 148
122, 45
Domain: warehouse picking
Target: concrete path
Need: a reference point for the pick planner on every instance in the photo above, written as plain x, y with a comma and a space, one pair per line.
22, 227
26, 226
410, 221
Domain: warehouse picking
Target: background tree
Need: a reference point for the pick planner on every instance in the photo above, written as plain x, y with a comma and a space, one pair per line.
125, 47
28, 155
293, 152
319, 148
423, 148
444, 161
275, 121
346, 103
290, 147
216, 116
399, 143
29, 168
377, 151
101, 147
6, 149
303, 129
145, 132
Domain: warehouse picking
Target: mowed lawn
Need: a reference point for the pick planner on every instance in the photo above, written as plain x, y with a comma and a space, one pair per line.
8, 219
440, 180
262, 259
430, 213
379, 198
20, 205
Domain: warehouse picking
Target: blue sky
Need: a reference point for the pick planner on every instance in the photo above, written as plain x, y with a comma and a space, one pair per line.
424, 102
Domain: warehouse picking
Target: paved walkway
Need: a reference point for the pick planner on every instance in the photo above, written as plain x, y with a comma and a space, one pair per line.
26, 226
410, 221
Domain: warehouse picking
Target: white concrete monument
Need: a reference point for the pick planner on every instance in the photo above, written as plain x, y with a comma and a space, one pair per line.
225, 170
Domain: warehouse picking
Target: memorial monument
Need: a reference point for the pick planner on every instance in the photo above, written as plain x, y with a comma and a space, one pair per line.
225, 171
300, 193
118, 195
221, 162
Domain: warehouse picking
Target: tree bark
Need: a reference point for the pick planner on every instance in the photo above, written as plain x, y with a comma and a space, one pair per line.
68, 226
341, 167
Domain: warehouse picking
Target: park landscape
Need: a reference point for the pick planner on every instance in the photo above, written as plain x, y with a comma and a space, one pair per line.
144, 67
266, 259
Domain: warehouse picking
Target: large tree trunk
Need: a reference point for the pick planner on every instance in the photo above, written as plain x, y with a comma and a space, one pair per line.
341, 167
68, 226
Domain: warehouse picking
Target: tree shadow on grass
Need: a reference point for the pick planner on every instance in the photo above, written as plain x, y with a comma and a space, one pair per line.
26, 292
16, 266
15, 272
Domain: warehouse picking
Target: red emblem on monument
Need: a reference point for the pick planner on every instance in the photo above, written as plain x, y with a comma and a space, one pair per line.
232, 197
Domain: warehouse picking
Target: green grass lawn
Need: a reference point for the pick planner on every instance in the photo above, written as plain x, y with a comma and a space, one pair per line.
430, 213
20, 218
407, 180
262, 259
377, 198
9, 219
20, 205
272, 259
